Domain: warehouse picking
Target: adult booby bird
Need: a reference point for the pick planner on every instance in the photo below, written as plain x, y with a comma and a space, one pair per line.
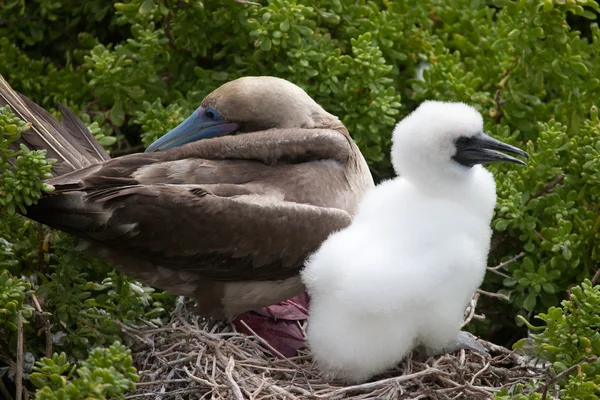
403, 272
227, 220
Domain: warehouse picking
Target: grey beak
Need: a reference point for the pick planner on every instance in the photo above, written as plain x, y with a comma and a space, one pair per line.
481, 149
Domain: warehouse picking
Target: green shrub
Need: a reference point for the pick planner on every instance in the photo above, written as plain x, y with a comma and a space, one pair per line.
106, 374
133, 70
12, 301
570, 340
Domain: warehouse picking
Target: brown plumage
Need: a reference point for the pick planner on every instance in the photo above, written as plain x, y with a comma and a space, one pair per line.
228, 220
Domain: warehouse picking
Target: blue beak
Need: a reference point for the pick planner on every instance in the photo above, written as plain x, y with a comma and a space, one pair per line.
200, 125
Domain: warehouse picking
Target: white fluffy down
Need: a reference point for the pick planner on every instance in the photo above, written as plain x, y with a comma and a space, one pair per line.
402, 274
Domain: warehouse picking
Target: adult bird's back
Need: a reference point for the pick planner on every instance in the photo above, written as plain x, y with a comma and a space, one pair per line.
227, 220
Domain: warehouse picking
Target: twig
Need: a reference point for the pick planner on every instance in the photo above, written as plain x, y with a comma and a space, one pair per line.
498, 97
47, 324
383, 382
496, 295
48, 329
547, 187
502, 274
267, 344
20, 351
565, 372
248, 3
596, 276
201, 381
507, 262
499, 103
162, 382
481, 371
472, 306
36, 304
235, 389
539, 235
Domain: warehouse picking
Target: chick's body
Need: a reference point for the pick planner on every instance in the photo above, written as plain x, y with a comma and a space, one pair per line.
403, 272
404, 278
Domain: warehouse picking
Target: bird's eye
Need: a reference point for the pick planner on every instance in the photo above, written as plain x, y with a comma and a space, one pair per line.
212, 114
463, 141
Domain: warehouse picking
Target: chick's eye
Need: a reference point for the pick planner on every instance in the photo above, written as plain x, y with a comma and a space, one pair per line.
463, 141
212, 114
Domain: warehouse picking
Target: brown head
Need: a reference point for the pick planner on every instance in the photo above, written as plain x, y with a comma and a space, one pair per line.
249, 104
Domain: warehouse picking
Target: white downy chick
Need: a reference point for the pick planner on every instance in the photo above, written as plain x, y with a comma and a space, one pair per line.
402, 274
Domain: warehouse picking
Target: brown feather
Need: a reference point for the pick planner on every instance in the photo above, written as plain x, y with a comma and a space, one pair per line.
81, 133
46, 133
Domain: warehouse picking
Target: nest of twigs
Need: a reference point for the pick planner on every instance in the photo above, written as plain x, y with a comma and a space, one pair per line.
193, 358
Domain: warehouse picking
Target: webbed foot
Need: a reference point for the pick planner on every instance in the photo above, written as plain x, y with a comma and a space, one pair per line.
462, 341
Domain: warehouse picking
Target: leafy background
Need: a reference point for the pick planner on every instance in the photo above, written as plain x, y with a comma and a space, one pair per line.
132, 70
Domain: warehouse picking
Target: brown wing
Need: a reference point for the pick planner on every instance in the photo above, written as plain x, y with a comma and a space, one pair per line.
228, 219
242, 237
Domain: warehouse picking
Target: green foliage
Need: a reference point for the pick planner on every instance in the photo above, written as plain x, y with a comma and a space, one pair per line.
553, 210
571, 332
12, 301
21, 185
107, 373
88, 298
132, 70
570, 340
518, 392
157, 119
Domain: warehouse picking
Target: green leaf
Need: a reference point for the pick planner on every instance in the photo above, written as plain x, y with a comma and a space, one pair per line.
117, 114
530, 301
548, 288
146, 7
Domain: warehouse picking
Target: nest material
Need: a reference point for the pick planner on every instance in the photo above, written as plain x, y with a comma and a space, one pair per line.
194, 358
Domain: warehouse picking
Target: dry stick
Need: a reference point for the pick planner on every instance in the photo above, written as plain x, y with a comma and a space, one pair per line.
281, 391
511, 354
130, 331
161, 382
20, 351
565, 372
473, 304
48, 330
596, 276
377, 384
505, 263
496, 295
502, 274
548, 187
235, 388
481, 371
47, 325
248, 3
261, 384
263, 341
202, 381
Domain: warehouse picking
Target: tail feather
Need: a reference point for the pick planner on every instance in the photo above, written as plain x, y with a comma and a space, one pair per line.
79, 131
71, 144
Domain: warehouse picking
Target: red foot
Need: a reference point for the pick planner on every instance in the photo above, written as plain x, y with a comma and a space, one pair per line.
277, 324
